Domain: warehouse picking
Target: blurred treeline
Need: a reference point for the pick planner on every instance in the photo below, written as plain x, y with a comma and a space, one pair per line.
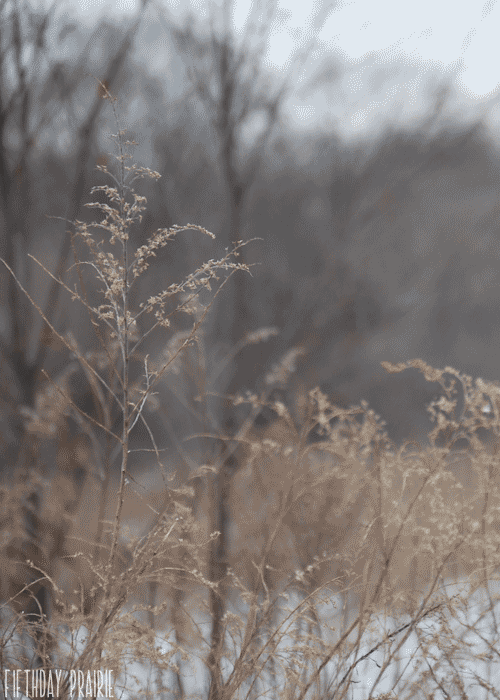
384, 249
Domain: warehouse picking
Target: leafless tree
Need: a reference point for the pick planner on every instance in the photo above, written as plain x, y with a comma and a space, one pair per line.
229, 79
36, 90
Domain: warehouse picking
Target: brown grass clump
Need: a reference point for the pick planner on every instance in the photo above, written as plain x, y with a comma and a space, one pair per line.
298, 561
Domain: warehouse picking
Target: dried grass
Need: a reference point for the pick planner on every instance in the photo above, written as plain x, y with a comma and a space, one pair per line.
330, 539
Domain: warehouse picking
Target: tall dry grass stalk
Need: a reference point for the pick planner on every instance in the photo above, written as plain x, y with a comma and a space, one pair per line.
28, 575
339, 546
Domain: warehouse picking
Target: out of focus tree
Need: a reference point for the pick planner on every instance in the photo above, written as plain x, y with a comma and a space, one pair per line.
242, 103
37, 100
235, 89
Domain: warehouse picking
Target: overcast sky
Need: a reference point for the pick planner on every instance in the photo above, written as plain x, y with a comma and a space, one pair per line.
425, 38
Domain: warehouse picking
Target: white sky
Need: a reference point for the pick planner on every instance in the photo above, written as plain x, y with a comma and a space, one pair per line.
427, 36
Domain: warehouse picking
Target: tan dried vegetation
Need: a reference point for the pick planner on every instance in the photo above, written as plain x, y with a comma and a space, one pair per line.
347, 514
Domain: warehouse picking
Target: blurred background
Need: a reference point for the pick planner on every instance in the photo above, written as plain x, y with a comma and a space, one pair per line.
358, 144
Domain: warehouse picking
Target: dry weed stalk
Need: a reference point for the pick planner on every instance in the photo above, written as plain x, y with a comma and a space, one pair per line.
120, 330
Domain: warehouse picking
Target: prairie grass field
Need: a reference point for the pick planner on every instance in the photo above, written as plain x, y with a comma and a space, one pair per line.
250, 457
306, 557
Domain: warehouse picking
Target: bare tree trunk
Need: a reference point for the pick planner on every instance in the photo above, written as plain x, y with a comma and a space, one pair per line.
14, 195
